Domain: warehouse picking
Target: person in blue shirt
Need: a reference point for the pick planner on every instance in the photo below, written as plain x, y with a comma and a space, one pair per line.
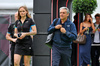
64, 33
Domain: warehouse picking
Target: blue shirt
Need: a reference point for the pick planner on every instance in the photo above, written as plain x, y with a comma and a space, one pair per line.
63, 39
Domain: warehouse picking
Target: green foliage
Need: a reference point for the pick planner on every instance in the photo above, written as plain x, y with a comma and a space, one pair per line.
84, 6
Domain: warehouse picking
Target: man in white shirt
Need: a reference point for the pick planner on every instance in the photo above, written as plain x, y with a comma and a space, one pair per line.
95, 49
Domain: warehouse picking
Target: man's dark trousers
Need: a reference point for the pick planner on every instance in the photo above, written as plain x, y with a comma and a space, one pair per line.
95, 53
59, 53
12, 53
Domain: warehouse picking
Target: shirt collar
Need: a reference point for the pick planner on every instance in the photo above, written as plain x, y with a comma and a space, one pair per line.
65, 21
25, 19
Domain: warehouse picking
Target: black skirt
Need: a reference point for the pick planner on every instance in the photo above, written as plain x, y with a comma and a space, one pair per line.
24, 46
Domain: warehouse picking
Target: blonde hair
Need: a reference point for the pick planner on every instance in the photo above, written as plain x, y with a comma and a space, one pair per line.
27, 15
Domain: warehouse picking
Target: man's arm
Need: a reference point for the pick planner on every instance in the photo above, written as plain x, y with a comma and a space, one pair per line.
53, 26
8, 37
72, 34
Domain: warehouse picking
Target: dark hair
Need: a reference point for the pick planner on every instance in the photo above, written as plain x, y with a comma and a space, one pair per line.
86, 17
97, 15
27, 15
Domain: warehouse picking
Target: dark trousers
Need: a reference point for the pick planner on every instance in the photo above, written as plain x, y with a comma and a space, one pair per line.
61, 54
74, 54
12, 54
95, 53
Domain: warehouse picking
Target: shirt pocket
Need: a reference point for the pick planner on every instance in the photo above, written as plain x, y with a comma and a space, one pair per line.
67, 27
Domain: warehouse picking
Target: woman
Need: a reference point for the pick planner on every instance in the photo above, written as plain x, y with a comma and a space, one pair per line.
22, 32
85, 28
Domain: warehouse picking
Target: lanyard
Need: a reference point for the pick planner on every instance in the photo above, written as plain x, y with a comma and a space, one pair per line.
97, 26
21, 27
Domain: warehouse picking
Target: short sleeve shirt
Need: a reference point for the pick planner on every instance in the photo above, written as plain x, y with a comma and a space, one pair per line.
25, 27
11, 29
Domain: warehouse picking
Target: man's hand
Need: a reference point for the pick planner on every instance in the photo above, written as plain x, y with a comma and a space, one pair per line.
63, 30
58, 26
99, 30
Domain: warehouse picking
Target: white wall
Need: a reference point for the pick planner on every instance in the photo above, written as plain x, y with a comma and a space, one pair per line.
97, 10
11, 6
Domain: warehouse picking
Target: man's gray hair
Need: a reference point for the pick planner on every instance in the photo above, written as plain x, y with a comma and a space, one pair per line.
64, 8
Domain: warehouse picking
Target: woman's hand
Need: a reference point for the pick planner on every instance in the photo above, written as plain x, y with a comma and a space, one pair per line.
91, 20
16, 35
86, 28
22, 35
14, 40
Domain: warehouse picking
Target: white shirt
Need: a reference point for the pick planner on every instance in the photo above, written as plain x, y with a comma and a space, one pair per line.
96, 35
